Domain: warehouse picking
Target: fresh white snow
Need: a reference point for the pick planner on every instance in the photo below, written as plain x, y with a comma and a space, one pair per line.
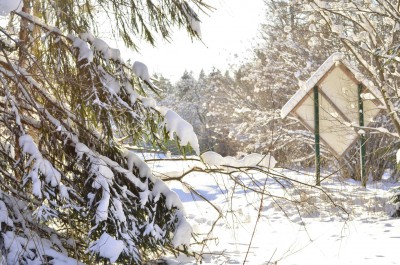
299, 225
40, 164
184, 130
107, 247
252, 160
398, 156
141, 70
84, 50
193, 20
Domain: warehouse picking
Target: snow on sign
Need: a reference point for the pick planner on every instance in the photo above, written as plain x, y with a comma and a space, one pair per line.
337, 85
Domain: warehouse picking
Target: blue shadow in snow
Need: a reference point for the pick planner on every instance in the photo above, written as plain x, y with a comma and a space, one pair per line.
189, 197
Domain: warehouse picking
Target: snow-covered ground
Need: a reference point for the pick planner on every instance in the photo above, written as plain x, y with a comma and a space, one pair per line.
341, 224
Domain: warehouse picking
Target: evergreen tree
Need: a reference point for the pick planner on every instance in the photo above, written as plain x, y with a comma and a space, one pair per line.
68, 101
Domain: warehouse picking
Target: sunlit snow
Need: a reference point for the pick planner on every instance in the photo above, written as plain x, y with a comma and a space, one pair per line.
298, 224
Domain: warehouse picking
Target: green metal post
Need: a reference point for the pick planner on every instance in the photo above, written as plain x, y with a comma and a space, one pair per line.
362, 137
316, 134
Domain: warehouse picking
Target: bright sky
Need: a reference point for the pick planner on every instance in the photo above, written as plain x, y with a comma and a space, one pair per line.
228, 35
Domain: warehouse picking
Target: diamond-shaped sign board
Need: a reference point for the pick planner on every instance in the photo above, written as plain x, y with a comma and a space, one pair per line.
337, 83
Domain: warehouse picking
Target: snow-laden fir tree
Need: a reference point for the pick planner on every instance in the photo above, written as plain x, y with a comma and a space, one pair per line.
69, 190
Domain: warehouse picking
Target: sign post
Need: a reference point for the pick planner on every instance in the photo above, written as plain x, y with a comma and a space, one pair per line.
316, 134
330, 104
362, 137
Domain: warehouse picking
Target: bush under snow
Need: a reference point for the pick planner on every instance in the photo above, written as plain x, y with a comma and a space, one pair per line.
393, 205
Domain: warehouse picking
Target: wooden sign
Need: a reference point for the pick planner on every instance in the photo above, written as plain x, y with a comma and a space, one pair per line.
337, 83
335, 103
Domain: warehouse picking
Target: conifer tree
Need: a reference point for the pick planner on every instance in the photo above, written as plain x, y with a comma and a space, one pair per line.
69, 189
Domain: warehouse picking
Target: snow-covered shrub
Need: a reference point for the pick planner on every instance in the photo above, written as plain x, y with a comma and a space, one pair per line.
393, 204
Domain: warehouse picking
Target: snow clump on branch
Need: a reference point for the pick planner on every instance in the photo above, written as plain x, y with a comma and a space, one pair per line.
194, 21
183, 129
107, 247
